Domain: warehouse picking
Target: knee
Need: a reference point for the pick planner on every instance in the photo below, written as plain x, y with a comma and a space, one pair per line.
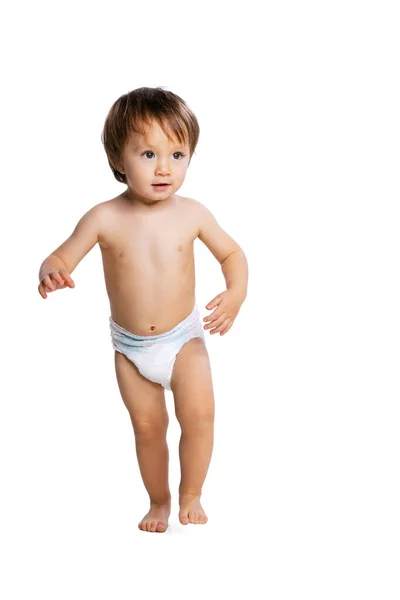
150, 429
196, 421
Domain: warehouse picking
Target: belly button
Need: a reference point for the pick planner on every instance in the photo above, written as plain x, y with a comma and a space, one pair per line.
152, 327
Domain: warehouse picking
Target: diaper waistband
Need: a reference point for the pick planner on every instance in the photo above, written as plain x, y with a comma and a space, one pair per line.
190, 320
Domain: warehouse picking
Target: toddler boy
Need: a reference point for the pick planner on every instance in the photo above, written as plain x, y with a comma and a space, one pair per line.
146, 237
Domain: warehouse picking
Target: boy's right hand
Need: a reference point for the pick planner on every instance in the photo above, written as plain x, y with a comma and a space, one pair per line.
55, 280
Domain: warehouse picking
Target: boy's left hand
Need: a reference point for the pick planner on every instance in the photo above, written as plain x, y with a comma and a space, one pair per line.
221, 320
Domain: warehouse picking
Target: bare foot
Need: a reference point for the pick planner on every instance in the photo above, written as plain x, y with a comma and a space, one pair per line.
156, 519
190, 510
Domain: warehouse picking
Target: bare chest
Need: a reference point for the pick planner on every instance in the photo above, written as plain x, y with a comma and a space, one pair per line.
149, 244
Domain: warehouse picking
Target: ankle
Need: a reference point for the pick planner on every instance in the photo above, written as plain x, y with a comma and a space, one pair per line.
189, 493
160, 500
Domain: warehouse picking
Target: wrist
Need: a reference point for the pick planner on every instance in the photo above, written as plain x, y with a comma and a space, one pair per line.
239, 292
50, 264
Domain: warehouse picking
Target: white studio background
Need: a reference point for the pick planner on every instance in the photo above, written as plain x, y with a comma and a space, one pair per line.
298, 105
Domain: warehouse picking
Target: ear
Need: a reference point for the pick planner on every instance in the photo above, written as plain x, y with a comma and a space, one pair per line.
119, 167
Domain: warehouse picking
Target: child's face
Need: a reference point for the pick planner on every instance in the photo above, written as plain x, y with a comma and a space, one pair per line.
152, 159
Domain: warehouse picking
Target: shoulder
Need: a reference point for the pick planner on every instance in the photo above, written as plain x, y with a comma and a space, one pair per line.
199, 212
192, 204
103, 214
192, 210
97, 215
202, 215
109, 210
107, 207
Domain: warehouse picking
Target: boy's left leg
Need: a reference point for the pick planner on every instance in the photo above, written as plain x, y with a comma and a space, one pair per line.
192, 387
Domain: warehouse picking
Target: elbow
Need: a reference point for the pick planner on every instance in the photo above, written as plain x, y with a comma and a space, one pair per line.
237, 250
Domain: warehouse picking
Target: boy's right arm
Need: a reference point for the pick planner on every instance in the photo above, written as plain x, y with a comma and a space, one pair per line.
55, 270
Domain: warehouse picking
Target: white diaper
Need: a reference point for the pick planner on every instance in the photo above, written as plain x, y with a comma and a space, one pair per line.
154, 355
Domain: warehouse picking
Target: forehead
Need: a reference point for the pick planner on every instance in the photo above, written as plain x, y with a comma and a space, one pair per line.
153, 136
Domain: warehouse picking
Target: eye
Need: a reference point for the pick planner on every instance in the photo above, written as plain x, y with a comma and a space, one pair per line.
151, 152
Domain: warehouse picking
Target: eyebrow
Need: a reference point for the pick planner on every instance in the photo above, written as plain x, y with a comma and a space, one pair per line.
139, 146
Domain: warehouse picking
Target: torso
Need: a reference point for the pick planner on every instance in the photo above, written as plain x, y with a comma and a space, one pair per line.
148, 263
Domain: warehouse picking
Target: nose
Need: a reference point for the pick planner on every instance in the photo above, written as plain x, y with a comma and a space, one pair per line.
163, 167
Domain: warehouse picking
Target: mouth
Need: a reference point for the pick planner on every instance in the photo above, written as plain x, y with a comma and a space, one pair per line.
161, 186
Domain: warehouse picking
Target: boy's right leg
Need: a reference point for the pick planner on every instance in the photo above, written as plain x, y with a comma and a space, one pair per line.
145, 402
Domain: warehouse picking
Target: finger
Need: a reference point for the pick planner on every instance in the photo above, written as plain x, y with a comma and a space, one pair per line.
68, 278
57, 277
44, 290
222, 326
47, 282
227, 328
62, 283
211, 316
216, 322
41, 291
213, 302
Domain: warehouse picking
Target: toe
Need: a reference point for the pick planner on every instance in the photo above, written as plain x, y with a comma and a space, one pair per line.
142, 525
153, 526
183, 519
161, 527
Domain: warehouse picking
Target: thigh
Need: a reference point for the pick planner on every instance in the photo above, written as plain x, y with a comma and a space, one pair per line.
191, 383
144, 399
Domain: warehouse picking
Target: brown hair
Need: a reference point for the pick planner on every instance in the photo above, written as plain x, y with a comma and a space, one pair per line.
140, 106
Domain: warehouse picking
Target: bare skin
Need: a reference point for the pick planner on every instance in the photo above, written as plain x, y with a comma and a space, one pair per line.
147, 253
146, 243
136, 247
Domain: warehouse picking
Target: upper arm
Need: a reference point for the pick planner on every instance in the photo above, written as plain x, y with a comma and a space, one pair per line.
82, 239
218, 241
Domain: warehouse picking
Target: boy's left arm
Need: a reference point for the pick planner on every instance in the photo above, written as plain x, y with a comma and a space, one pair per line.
234, 268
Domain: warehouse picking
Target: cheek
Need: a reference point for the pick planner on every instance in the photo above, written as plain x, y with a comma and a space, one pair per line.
141, 169
182, 168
